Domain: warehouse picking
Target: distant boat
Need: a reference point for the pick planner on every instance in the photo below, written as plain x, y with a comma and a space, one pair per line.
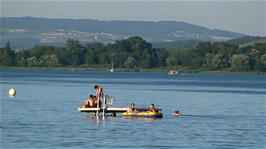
112, 69
172, 72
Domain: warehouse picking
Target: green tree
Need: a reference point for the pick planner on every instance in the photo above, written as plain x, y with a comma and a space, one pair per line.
72, 43
49, 60
160, 57
240, 62
253, 58
93, 52
170, 61
22, 58
130, 62
263, 62
64, 56
220, 61
7, 56
37, 51
146, 61
33, 61
75, 52
209, 60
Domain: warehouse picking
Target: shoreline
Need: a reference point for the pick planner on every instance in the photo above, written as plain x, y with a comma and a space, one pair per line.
161, 69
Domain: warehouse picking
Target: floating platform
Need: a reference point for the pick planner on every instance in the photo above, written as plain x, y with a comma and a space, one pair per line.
107, 110
115, 110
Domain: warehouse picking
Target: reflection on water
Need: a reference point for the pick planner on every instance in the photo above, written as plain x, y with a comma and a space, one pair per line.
141, 118
92, 117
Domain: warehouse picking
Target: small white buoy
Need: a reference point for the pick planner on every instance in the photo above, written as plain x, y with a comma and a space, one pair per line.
12, 92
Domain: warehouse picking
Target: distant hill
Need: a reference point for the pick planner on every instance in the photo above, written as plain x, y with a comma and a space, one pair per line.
56, 31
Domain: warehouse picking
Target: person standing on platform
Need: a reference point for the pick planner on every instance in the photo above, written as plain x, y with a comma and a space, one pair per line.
99, 94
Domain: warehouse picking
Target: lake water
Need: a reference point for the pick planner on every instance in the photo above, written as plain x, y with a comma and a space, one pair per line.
220, 111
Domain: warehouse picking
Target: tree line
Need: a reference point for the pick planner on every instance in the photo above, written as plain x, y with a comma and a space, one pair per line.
136, 53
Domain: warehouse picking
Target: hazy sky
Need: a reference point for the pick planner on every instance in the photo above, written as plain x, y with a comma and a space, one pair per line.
240, 16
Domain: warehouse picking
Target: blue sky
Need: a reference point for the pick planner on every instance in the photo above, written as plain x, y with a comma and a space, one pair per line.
246, 16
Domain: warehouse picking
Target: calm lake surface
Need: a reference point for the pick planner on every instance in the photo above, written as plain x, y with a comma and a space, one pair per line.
220, 111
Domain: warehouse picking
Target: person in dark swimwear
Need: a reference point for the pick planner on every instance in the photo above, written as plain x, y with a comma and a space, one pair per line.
132, 108
152, 108
176, 113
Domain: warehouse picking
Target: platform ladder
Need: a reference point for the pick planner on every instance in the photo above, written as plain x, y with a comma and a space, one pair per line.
106, 101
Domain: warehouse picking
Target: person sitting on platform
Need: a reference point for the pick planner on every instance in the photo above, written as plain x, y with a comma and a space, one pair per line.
90, 102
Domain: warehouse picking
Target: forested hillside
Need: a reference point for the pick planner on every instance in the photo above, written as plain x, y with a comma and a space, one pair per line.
136, 53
